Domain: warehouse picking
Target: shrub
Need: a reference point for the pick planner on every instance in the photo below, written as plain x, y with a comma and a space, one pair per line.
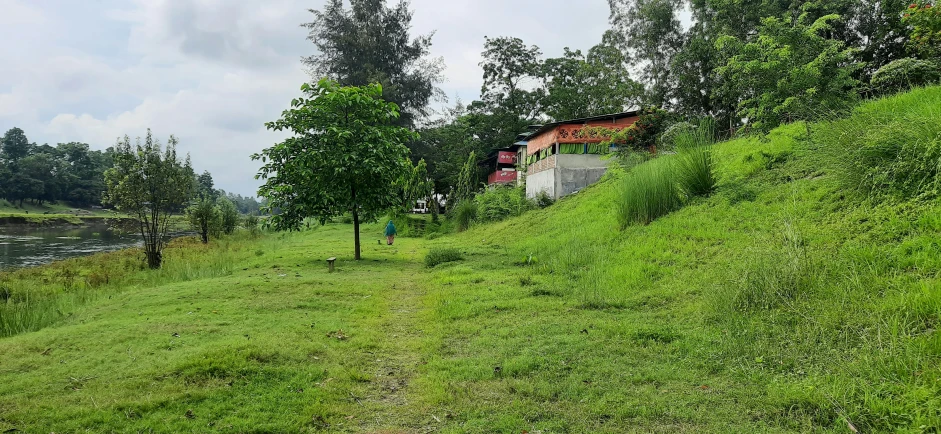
647, 192
463, 214
441, 255
891, 147
695, 168
500, 202
543, 200
904, 74
228, 216
251, 223
204, 216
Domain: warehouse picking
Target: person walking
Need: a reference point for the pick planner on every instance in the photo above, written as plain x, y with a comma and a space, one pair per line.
390, 233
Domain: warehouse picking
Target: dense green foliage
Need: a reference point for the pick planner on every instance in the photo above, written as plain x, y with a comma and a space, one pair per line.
925, 21
205, 217
228, 216
42, 173
499, 202
370, 43
791, 72
441, 255
581, 85
150, 183
345, 155
904, 74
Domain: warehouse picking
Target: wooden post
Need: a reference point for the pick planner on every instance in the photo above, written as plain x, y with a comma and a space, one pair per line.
330, 262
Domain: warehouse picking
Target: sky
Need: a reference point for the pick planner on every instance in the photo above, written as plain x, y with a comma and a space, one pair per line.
212, 72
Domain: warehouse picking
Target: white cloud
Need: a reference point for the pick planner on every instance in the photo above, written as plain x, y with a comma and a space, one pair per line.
213, 71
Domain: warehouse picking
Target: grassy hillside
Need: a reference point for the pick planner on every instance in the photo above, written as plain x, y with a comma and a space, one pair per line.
802, 296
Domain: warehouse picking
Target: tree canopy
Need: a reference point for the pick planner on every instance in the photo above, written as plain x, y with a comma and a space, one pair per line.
345, 155
150, 183
371, 43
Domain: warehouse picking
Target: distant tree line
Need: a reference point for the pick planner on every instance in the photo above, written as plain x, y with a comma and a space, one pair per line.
43, 173
73, 173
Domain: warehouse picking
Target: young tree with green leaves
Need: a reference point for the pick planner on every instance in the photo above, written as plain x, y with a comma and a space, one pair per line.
466, 181
204, 216
228, 216
345, 155
790, 72
370, 43
150, 183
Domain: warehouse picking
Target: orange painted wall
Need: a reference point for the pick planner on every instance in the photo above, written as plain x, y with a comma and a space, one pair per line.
564, 134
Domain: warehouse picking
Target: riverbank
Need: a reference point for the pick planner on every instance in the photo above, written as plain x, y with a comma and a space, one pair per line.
60, 220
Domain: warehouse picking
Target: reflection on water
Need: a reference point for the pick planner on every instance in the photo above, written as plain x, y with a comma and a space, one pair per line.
22, 246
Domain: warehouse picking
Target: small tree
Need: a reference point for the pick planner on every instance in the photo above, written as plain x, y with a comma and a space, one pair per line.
345, 155
150, 184
204, 216
417, 186
228, 215
466, 181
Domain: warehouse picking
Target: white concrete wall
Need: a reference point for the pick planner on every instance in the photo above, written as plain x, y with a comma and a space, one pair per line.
544, 181
570, 173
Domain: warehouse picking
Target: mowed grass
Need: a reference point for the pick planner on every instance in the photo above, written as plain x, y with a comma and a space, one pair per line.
782, 302
276, 345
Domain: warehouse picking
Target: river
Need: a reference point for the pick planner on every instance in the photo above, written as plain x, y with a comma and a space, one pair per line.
25, 246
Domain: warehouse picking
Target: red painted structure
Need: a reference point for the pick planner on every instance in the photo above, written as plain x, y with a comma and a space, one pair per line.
502, 177
506, 157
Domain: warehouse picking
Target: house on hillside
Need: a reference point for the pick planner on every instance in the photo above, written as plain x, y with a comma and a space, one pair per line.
503, 166
560, 160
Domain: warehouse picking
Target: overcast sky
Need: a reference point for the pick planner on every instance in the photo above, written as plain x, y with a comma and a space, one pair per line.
213, 71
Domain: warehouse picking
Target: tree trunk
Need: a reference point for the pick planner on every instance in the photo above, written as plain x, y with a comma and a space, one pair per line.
356, 233
154, 257
356, 255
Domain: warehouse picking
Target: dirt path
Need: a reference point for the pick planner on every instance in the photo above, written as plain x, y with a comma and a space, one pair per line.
391, 400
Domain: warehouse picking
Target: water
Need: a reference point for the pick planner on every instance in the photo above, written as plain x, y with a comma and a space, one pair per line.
23, 246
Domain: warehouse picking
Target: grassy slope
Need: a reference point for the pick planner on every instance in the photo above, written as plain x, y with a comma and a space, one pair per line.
779, 304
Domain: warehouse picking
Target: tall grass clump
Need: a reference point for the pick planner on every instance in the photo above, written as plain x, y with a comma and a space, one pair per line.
695, 169
463, 214
647, 192
888, 148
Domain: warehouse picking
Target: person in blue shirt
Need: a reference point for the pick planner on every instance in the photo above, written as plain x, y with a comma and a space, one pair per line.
390, 233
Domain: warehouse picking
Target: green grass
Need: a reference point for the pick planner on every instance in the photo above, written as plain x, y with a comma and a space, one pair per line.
695, 170
441, 255
648, 191
51, 211
780, 303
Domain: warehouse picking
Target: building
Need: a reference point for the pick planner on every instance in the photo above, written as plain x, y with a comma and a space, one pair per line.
560, 160
502, 166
